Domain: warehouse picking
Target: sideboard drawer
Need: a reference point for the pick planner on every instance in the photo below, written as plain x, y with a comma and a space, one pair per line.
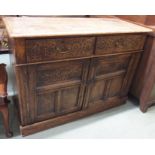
118, 43
58, 48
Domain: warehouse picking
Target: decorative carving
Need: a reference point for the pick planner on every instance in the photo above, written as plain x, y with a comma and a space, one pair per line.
47, 49
112, 65
107, 44
59, 73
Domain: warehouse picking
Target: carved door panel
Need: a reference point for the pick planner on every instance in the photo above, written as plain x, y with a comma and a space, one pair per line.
56, 88
109, 77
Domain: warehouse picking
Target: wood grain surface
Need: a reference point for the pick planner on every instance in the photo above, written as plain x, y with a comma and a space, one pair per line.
50, 26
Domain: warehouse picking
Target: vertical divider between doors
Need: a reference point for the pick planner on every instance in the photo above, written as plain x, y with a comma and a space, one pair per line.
85, 69
86, 83
89, 79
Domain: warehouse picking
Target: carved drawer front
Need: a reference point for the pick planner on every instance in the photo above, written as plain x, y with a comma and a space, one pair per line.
56, 88
118, 43
109, 77
58, 48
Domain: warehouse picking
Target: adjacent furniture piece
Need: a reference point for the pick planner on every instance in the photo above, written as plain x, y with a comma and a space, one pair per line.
3, 81
143, 86
3, 100
68, 68
142, 19
3, 39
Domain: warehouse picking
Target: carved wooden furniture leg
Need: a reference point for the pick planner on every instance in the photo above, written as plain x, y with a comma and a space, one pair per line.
5, 114
3, 99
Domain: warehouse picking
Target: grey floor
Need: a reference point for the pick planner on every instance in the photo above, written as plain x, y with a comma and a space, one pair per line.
125, 121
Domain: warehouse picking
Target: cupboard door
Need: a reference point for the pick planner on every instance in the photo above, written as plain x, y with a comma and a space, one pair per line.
56, 88
109, 77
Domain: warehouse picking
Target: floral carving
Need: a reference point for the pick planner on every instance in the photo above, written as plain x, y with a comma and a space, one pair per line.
119, 43
57, 74
47, 49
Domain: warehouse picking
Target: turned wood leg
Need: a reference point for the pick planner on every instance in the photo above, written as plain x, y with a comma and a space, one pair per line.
5, 115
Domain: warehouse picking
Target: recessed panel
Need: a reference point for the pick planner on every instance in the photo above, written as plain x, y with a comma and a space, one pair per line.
97, 91
69, 98
115, 86
46, 104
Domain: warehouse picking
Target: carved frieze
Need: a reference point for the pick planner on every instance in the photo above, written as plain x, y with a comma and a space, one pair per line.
59, 73
115, 43
50, 49
118, 63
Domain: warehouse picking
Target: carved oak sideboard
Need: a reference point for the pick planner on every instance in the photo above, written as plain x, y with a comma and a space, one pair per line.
68, 68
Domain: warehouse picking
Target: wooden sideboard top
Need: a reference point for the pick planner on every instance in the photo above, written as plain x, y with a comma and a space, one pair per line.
152, 27
19, 27
153, 30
